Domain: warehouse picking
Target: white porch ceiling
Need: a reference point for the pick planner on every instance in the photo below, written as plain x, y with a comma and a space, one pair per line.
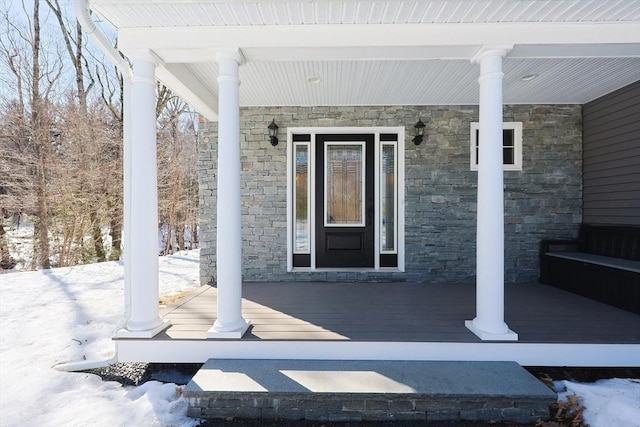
188, 13
384, 52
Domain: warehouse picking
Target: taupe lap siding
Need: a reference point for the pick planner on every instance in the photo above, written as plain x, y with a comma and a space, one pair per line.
611, 158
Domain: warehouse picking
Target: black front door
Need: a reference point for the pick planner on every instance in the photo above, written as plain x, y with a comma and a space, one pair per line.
345, 211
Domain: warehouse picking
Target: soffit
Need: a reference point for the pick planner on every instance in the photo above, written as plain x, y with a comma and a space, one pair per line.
178, 13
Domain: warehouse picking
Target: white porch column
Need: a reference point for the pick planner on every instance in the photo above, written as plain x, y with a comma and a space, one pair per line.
230, 323
489, 321
141, 195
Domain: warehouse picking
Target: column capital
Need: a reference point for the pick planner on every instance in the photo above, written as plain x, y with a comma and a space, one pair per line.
491, 50
234, 54
144, 68
147, 55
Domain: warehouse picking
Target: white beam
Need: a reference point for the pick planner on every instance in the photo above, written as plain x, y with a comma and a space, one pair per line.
601, 50
366, 53
182, 81
404, 53
356, 35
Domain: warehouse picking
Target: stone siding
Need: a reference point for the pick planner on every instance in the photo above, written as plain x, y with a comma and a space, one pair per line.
328, 407
543, 200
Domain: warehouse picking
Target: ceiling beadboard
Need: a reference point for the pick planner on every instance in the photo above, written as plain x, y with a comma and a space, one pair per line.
132, 14
428, 82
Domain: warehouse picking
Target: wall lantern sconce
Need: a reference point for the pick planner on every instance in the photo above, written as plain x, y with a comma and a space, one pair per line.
419, 132
273, 132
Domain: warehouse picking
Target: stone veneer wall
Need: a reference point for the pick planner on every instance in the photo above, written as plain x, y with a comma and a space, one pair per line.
543, 200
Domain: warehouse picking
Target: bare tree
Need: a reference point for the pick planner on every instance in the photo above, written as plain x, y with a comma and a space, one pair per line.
111, 84
61, 129
73, 37
177, 180
35, 74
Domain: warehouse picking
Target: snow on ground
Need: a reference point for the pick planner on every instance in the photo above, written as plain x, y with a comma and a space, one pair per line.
610, 402
20, 242
69, 314
66, 315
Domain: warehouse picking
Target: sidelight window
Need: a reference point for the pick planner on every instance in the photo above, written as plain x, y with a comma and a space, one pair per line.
388, 198
302, 231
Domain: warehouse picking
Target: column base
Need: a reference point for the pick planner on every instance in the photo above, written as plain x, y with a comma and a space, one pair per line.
490, 336
236, 333
149, 333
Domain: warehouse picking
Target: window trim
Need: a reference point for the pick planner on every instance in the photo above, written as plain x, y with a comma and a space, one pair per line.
517, 146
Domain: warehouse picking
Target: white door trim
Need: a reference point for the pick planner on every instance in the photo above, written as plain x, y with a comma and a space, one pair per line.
376, 131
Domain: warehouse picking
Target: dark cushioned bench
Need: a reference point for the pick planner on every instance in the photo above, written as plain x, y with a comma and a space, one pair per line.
602, 264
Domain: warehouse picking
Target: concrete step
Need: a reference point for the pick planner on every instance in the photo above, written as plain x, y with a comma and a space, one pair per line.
330, 390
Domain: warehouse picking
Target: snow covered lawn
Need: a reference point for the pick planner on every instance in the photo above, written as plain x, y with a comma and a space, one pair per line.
66, 315
69, 314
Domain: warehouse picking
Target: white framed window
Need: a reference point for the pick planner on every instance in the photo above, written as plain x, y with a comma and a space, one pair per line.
511, 146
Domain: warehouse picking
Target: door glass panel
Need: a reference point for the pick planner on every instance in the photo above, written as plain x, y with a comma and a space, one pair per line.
301, 214
387, 198
344, 184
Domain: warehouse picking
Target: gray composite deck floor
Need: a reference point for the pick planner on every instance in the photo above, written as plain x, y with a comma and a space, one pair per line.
402, 312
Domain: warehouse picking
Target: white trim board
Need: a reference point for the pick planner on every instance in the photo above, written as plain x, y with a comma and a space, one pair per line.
377, 35
526, 354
